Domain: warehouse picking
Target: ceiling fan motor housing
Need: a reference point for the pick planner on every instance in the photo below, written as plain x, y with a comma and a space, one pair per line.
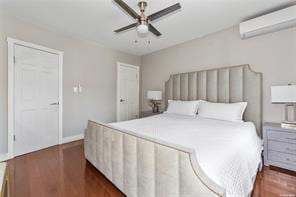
143, 19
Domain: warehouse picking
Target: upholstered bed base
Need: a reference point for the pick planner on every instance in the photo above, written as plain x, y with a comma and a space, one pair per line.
144, 167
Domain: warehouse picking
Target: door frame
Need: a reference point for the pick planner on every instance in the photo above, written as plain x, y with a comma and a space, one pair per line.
120, 64
11, 79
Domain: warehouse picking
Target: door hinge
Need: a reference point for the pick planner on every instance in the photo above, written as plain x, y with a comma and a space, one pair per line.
14, 60
14, 138
137, 76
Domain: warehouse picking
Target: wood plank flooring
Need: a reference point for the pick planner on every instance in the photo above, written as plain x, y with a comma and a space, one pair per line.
61, 171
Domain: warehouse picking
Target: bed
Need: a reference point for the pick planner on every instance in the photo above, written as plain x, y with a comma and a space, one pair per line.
176, 156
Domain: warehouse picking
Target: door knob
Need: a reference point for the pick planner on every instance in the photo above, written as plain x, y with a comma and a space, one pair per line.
121, 100
56, 103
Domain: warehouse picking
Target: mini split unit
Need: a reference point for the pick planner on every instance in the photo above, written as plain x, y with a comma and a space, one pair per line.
275, 21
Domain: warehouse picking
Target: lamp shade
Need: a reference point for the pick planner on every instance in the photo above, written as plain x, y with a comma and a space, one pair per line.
283, 94
154, 95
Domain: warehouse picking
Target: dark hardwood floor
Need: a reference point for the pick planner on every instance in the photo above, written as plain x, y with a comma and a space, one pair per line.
273, 182
61, 171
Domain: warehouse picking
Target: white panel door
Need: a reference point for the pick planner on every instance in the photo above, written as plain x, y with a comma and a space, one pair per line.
128, 92
36, 99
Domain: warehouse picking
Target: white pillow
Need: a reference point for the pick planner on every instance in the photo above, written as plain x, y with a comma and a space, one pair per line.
182, 107
222, 111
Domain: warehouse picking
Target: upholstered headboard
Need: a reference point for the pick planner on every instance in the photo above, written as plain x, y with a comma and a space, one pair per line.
227, 85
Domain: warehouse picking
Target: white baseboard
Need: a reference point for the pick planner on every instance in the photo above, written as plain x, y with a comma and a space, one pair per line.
73, 138
4, 157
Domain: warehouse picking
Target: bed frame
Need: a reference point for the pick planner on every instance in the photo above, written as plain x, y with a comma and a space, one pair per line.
141, 166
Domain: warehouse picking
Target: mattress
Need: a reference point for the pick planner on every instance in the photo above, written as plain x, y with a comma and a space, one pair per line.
229, 153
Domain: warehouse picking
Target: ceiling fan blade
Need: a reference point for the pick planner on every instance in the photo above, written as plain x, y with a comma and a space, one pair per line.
154, 30
129, 10
126, 27
165, 11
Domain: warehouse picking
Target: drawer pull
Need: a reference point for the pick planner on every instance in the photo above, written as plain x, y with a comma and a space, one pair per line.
288, 159
288, 149
289, 138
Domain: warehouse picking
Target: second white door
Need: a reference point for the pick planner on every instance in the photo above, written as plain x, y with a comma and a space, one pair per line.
128, 92
36, 99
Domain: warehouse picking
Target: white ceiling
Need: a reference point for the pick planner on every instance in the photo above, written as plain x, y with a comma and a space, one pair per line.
95, 20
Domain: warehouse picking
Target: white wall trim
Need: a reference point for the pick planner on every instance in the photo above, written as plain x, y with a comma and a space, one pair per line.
61, 98
11, 43
73, 138
119, 64
34, 46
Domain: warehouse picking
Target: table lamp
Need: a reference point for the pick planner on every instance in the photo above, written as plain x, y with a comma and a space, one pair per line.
155, 98
285, 95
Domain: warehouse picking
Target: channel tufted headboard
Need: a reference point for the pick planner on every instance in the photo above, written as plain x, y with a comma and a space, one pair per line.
227, 85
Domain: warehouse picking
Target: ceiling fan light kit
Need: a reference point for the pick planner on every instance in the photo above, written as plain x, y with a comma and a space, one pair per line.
142, 29
143, 22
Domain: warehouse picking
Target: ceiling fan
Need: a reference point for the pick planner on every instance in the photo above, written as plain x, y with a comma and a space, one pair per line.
143, 22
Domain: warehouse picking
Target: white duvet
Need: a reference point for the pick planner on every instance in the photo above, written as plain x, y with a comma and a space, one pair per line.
228, 152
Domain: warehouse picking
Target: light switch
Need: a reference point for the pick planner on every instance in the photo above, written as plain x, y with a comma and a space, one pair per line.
75, 89
79, 88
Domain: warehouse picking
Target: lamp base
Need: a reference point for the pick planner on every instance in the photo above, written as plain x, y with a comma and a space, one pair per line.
155, 106
288, 124
155, 109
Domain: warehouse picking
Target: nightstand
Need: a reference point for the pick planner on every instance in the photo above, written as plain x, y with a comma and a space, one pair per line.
148, 113
279, 146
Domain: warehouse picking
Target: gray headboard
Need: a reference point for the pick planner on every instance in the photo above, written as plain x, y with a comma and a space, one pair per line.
227, 85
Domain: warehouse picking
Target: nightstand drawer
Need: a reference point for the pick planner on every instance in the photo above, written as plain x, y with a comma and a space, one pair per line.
281, 136
282, 157
281, 147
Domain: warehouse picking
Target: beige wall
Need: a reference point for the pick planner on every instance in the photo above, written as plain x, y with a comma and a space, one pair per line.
91, 65
273, 54
95, 68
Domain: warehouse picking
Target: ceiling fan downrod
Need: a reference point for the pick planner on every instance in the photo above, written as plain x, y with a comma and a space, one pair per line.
143, 19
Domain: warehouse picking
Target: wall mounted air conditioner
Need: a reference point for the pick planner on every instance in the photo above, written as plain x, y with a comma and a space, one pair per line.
275, 21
